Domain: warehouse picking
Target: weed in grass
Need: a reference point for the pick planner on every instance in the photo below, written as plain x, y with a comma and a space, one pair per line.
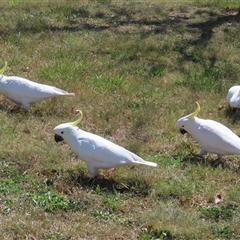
98, 190
113, 203
217, 213
152, 233
56, 235
51, 201
12, 190
223, 233
9, 186
105, 215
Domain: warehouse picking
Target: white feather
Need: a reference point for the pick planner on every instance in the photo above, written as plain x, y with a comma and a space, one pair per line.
213, 136
24, 92
233, 97
97, 152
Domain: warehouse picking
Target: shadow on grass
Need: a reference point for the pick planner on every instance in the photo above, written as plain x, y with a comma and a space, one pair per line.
77, 20
23, 112
133, 186
232, 164
232, 114
8, 109
123, 16
52, 111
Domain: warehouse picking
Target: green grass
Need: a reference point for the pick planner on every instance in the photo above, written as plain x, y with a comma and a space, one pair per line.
136, 67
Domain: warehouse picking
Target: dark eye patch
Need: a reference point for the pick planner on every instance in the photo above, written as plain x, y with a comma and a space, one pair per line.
62, 132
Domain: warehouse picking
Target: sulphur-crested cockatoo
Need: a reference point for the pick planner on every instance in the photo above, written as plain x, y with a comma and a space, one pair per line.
24, 92
233, 97
97, 152
212, 136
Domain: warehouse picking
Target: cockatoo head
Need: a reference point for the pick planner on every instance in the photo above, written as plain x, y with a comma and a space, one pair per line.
3, 69
64, 130
186, 122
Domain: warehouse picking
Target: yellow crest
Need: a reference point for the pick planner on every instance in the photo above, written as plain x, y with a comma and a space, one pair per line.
4, 68
79, 120
194, 114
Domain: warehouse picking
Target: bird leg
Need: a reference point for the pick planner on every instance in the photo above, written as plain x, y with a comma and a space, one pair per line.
91, 180
218, 160
234, 110
200, 154
197, 155
93, 171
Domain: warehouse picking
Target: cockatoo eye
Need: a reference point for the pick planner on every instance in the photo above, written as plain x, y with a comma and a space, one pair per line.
183, 126
62, 132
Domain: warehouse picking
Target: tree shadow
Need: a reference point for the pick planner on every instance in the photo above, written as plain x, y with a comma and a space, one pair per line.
77, 20
207, 30
121, 16
208, 26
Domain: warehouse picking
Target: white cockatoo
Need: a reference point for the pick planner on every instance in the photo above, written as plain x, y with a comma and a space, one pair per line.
233, 97
212, 136
97, 152
24, 92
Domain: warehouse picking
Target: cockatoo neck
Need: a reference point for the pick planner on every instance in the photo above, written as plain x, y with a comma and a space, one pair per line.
1, 84
197, 120
71, 134
193, 126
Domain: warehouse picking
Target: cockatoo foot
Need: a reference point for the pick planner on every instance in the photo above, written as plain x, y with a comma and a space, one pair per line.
218, 162
197, 155
92, 179
17, 106
15, 109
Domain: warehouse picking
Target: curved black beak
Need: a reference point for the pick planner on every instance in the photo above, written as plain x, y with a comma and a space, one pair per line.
182, 131
58, 138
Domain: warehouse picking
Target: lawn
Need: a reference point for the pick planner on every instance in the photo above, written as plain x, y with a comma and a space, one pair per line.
136, 67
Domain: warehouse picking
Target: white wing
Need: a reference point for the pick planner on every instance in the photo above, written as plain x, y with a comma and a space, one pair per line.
216, 138
104, 153
16, 88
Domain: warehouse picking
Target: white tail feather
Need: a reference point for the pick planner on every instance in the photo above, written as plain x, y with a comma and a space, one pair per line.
141, 161
62, 92
152, 164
